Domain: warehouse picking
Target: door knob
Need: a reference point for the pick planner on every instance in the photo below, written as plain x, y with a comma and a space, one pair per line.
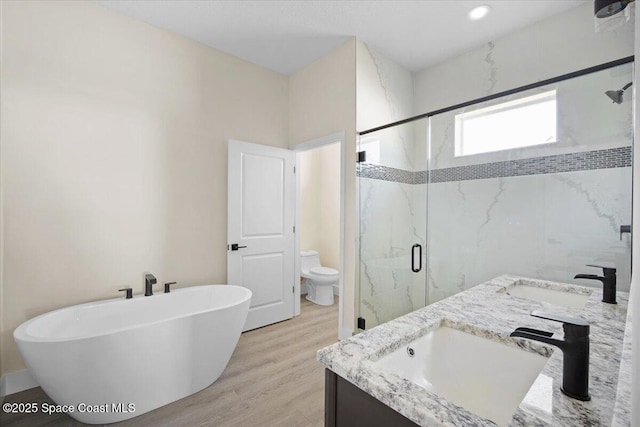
235, 247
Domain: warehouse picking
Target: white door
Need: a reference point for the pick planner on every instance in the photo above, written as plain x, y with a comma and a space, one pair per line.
261, 203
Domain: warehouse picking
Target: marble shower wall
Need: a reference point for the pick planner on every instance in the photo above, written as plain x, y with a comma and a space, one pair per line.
392, 212
392, 219
542, 226
565, 219
387, 284
542, 212
546, 225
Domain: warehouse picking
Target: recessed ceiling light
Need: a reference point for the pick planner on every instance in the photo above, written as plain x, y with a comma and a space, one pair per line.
479, 12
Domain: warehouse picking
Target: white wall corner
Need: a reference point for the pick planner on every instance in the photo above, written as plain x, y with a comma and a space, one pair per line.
15, 382
344, 333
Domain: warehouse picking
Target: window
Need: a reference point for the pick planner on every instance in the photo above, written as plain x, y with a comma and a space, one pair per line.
524, 122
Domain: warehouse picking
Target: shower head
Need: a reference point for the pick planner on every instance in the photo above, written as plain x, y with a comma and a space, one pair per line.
616, 95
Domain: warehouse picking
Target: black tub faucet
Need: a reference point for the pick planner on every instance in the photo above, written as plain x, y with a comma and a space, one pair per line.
575, 351
608, 282
167, 287
128, 291
149, 281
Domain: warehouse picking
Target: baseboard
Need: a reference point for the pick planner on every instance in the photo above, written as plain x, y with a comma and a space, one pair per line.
15, 382
344, 333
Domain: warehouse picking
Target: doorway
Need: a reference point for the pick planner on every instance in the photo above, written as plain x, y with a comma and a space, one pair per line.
319, 209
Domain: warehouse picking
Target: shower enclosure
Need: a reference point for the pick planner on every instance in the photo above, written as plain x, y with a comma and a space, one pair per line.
534, 182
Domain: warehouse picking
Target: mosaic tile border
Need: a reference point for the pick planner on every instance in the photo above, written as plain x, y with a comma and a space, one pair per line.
385, 173
588, 160
571, 162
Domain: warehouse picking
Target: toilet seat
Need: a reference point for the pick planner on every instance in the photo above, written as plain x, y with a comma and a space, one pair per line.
323, 271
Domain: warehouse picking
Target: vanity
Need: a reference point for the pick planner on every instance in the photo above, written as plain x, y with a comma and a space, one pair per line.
454, 362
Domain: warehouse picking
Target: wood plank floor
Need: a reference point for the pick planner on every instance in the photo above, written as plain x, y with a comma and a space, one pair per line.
273, 379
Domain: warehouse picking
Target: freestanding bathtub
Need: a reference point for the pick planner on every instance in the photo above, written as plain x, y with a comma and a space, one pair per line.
112, 360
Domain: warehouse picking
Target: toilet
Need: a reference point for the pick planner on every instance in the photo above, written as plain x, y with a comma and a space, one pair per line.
319, 280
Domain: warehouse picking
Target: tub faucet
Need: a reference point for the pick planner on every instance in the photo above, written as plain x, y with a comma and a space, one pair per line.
149, 281
129, 292
167, 287
575, 351
608, 282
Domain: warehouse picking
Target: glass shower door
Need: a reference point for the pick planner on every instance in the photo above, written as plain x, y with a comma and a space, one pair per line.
535, 183
392, 190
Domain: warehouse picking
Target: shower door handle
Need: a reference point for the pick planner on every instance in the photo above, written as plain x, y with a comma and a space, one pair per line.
413, 258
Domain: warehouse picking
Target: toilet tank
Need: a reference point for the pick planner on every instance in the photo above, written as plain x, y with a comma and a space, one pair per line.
309, 260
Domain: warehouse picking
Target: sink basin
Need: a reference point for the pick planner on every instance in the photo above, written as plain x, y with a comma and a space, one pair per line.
551, 296
485, 377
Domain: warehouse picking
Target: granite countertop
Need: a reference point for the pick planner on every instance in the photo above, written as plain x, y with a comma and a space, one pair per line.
488, 310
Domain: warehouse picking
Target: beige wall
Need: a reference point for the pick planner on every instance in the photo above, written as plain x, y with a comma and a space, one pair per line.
114, 155
309, 168
320, 203
322, 101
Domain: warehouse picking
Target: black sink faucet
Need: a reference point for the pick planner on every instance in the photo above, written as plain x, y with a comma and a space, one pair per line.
575, 351
149, 281
608, 282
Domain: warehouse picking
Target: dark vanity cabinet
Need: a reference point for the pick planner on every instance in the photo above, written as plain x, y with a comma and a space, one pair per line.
345, 405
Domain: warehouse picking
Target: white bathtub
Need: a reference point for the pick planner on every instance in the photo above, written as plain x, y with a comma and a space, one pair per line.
116, 359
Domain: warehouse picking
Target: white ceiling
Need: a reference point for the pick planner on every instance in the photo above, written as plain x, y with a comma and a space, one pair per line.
284, 36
